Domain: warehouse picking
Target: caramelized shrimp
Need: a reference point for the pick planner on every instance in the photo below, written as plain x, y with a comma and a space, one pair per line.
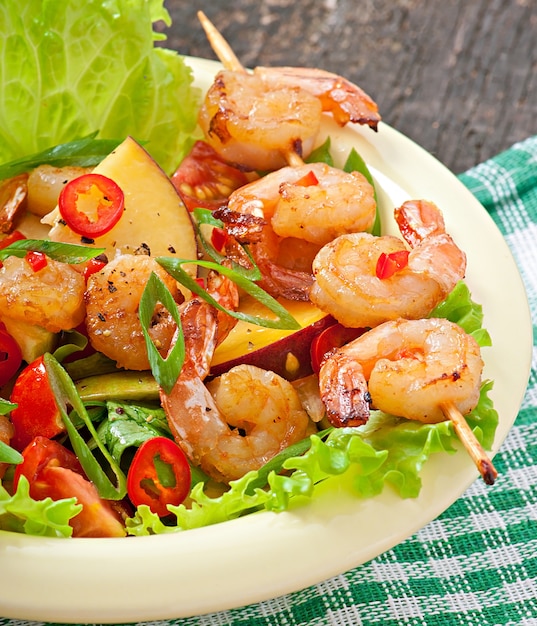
255, 120
52, 297
238, 421
297, 209
346, 284
112, 301
314, 202
408, 368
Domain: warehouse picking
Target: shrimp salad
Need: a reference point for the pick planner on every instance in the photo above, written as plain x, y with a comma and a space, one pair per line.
134, 397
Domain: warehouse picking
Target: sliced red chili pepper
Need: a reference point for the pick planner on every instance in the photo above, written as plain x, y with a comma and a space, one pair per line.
10, 356
389, 264
93, 266
91, 205
36, 260
159, 475
332, 337
219, 238
16, 235
308, 180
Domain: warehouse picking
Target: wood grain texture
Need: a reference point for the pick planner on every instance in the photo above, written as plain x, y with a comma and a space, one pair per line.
459, 77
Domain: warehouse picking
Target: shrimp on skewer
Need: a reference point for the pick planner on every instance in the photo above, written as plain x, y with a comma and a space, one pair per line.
346, 284
297, 208
238, 421
427, 370
112, 301
263, 119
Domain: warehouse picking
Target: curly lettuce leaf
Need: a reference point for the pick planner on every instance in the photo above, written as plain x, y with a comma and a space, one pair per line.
68, 69
20, 513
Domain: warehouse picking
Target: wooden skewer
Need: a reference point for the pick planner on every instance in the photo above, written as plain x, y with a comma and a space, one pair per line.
229, 60
220, 46
472, 445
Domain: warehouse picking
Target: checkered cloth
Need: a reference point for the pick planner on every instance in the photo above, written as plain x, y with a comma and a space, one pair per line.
475, 565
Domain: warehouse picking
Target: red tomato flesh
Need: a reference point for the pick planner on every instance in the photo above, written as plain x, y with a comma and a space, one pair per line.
36, 412
159, 475
10, 356
36, 260
91, 205
205, 180
54, 472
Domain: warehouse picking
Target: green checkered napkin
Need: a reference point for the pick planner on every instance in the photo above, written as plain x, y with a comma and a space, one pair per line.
475, 565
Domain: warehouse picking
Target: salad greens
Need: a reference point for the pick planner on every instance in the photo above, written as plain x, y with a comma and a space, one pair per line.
72, 68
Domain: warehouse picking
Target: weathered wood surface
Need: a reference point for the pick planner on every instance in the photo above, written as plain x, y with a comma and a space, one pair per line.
459, 77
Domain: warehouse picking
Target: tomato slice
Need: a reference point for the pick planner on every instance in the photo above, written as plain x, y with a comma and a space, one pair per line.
159, 475
54, 472
10, 356
332, 337
91, 205
36, 412
389, 264
205, 180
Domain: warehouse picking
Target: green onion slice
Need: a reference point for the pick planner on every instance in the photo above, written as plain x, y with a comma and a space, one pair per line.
285, 320
67, 398
64, 252
165, 371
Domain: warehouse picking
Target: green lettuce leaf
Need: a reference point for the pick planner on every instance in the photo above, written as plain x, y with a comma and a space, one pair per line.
70, 68
48, 518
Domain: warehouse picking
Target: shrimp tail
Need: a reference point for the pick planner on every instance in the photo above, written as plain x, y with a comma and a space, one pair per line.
344, 392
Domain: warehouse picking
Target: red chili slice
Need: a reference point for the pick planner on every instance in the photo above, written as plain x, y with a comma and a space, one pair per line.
308, 180
36, 260
91, 205
159, 475
332, 337
389, 264
16, 235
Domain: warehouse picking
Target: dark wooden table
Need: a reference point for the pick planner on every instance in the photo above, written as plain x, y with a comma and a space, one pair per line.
459, 77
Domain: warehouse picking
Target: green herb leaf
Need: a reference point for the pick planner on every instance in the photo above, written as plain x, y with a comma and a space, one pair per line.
165, 370
71, 67
66, 397
284, 321
63, 252
20, 513
6, 406
322, 154
9, 455
85, 152
355, 163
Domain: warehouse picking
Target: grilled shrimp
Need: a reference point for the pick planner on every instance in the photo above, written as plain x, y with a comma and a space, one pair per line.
52, 297
409, 368
314, 202
256, 120
297, 210
238, 421
112, 301
346, 284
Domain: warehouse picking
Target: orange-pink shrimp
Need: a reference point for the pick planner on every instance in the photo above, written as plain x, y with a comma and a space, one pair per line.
346, 284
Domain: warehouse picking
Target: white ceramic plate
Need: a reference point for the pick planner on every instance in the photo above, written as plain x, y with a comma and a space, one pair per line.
266, 555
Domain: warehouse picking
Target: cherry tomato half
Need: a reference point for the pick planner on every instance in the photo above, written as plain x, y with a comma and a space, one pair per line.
54, 472
204, 179
389, 264
10, 356
91, 205
332, 337
36, 412
159, 475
